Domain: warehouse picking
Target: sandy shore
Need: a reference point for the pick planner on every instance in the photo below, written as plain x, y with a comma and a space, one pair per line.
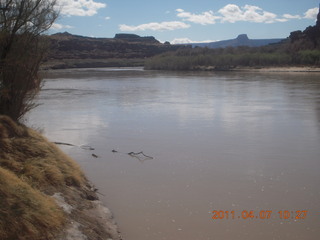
279, 69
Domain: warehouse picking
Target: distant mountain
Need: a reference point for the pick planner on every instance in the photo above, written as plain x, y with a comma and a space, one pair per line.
241, 40
135, 38
69, 46
68, 50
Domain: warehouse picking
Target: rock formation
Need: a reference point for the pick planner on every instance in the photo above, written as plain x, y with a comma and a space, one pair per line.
318, 18
241, 40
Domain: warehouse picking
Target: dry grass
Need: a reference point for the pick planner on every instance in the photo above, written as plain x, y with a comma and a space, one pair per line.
29, 167
25, 213
35, 160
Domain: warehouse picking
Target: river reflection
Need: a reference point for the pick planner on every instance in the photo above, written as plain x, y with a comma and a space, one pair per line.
219, 141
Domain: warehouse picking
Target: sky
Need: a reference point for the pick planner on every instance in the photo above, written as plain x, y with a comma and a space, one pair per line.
182, 21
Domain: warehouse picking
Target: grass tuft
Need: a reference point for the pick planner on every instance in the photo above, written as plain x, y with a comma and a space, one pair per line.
36, 160
9, 129
26, 213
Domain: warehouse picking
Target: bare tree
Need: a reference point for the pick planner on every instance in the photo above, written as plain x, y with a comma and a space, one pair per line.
21, 51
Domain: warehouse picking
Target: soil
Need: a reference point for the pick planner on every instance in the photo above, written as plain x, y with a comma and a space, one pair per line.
87, 218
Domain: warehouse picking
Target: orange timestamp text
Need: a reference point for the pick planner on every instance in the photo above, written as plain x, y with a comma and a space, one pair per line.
262, 214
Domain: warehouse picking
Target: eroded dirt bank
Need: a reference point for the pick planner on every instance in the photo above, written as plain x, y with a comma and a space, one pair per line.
44, 194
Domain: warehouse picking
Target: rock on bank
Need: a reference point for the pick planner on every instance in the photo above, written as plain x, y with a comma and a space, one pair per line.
44, 194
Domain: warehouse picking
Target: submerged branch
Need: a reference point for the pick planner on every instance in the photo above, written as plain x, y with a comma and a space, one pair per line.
138, 155
85, 147
135, 154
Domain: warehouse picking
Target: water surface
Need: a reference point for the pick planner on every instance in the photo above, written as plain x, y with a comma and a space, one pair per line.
219, 141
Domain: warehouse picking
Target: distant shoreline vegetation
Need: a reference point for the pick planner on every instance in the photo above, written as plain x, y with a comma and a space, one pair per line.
299, 49
93, 63
229, 58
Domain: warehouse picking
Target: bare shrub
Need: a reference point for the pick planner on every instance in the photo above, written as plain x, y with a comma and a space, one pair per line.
21, 52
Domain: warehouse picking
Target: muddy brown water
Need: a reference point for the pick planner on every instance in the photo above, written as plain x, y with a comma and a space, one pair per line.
239, 147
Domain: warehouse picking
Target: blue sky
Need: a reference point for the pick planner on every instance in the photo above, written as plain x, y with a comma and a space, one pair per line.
179, 21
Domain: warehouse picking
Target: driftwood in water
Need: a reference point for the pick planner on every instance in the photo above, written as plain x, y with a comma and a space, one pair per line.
139, 155
136, 154
61, 143
85, 147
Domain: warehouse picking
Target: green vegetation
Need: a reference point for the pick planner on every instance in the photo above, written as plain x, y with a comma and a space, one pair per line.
30, 166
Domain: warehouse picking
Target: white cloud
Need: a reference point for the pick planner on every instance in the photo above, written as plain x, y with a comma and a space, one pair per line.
256, 14
233, 13
286, 17
203, 18
57, 26
289, 16
282, 19
311, 13
154, 26
107, 18
187, 40
79, 7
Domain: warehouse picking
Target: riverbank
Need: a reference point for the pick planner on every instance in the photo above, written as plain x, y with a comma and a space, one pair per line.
122, 63
287, 69
44, 194
265, 69
92, 63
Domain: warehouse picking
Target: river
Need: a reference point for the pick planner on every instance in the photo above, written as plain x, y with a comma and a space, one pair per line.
234, 155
